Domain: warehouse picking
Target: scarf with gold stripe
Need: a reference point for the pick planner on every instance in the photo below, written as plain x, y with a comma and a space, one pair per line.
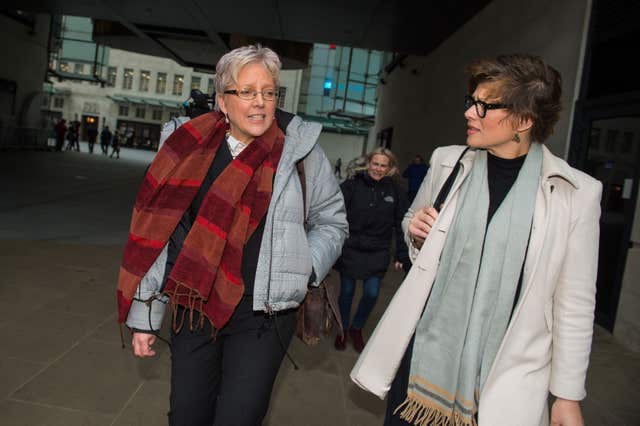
469, 307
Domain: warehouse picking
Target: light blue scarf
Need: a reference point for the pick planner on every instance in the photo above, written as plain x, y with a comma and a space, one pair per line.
470, 304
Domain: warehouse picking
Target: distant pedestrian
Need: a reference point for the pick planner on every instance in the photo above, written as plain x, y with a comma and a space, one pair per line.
74, 130
105, 139
375, 208
69, 138
61, 131
92, 135
337, 168
415, 173
115, 145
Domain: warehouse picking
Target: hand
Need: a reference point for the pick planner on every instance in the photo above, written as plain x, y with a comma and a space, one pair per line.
566, 413
421, 224
397, 266
142, 343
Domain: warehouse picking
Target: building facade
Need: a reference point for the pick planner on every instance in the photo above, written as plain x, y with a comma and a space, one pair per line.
131, 92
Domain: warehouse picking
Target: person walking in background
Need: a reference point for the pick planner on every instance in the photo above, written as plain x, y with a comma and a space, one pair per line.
415, 173
115, 144
61, 131
105, 139
92, 135
375, 208
501, 296
337, 169
74, 133
219, 228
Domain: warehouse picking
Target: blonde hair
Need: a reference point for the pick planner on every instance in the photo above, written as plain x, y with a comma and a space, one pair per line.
393, 161
230, 64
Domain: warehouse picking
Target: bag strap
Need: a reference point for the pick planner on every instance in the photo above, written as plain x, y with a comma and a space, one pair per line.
448, 184
303, 183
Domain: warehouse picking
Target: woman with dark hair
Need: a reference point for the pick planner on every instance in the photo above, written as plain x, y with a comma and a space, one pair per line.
375, 208
497, 310
220, 229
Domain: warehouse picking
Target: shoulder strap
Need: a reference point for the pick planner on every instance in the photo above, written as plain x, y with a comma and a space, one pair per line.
303, 183
448, 184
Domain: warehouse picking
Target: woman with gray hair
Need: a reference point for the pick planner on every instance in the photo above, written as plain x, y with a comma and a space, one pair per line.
220, 229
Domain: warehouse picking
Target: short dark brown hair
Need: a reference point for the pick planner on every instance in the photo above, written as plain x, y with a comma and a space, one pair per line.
530, 87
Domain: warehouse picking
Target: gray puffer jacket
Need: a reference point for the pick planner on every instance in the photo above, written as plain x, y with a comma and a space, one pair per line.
288, 252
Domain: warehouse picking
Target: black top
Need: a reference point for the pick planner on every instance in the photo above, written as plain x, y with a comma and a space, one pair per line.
251, 249
502, 173
375, 210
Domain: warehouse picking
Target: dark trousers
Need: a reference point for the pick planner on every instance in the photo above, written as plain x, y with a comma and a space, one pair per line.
228, 382
398, 392
92, 142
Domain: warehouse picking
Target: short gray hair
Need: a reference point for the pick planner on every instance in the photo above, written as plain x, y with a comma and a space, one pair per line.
230, 64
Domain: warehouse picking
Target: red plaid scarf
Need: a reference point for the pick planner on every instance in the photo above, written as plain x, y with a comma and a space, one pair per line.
206, 276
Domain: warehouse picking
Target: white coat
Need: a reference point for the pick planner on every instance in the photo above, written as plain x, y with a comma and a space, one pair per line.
547, 344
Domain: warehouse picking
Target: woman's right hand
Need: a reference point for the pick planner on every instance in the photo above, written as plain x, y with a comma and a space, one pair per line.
142, 343
421, 224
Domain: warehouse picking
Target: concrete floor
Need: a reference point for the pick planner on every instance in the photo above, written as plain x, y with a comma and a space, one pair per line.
63, 222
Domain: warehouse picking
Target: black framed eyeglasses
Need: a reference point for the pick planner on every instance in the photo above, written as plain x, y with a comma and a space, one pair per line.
481, 106
250, 94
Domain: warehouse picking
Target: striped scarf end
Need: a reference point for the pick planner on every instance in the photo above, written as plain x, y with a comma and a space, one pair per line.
419, 414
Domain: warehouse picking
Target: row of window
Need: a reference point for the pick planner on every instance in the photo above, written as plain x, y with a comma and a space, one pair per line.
144, 82
156, 113
141, 112
123, 110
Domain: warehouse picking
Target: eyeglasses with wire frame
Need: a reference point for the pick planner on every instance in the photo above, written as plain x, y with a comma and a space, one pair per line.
250, 94
481, 106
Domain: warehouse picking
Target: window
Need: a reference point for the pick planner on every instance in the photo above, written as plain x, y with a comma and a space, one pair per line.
178, 83
123, 110
157, 114
111, 76
140, 112
58, 102
127, 81
210, 88
78, 68
195, 83
161, 83
145, 77
64, 66
282, 93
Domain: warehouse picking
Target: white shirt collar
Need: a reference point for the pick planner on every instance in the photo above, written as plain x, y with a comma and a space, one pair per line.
235, 146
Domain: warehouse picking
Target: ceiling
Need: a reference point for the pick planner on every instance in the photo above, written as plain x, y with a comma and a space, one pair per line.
196, 32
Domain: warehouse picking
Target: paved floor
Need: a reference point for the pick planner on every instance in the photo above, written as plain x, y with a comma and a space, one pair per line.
63, 221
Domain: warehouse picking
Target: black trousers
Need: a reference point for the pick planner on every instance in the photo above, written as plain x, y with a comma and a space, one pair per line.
228, 382
398, 391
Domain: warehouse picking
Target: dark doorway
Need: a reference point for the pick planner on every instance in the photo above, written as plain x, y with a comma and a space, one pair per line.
88, 121
605, 139
135, 134
606, 145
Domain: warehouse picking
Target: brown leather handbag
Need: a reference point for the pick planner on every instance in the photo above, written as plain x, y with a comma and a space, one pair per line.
319, 311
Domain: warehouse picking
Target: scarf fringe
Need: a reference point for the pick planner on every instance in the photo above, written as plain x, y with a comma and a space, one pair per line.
419, 414
194, 303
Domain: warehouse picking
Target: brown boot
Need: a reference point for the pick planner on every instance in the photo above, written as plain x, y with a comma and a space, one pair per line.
357, 339
341, 343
